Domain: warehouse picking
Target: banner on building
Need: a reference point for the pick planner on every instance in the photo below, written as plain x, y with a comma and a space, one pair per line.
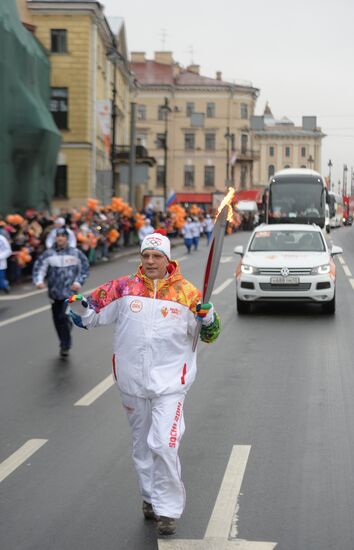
103, 107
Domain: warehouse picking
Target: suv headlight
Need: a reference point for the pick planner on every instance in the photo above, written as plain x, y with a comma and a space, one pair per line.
248, 269
321, 269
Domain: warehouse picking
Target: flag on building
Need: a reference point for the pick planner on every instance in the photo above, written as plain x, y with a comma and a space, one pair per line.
171, 199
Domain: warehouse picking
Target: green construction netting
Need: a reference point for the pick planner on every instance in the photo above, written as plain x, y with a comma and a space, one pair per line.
29, 139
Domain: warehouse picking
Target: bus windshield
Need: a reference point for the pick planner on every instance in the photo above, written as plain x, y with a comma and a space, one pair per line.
291, 201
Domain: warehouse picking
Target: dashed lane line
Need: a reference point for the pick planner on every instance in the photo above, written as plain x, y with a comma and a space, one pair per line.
352, 283
95, 393
24, 315
347, 270
33, 312
341, 260
222, 286
20, 296
20, 456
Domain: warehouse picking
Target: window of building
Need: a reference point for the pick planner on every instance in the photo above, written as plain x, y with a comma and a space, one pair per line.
61, 182
210, 142
189, 109
58, 41
189, 142
209, 176
303, 151
189, 176
161, 112
303, 166
244, 143
210, 110
244, 110
59, 107
243, 176
160, 141
141, 112
271, 151
271, 170
160, 176
287, 166
287, 151
141, 139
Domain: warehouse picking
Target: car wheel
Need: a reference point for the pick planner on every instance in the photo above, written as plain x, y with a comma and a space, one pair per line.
329, 307
328, 229
242, 307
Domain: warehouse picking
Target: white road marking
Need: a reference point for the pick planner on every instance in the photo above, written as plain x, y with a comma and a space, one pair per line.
226, 259
24, 315
20, 456
96, 392
352, 283
182, 258
33, 312
222, 286
218, 529
347, 271
20, 296
341, 260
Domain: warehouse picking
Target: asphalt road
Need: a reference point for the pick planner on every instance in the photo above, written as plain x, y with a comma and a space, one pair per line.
280, 381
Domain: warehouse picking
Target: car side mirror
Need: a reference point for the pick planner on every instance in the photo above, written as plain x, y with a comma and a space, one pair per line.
336, 250
239, 250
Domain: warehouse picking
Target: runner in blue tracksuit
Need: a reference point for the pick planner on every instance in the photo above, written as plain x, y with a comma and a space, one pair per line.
66, 269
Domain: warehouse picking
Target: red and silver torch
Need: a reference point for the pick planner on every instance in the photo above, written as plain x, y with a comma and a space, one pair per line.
224, 214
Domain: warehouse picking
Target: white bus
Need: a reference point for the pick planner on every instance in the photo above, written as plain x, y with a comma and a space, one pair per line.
336, 209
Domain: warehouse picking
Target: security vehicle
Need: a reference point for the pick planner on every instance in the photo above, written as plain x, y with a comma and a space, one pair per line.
286, 263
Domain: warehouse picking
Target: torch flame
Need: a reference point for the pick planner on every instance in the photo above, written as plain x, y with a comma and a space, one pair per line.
227, 200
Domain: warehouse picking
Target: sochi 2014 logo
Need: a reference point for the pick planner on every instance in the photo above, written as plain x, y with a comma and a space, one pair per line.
136, 306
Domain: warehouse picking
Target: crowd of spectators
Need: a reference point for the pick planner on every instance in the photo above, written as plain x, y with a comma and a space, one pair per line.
98, 231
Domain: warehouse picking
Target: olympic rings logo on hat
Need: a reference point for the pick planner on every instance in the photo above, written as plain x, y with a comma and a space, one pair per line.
155, 241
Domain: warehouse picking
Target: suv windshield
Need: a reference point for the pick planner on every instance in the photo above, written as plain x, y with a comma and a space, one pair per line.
300, 241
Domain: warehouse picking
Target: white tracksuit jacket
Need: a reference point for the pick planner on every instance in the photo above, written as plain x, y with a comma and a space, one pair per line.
154, 366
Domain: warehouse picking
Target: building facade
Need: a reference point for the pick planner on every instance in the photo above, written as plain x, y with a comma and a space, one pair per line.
197, 128
280, 144
90, 90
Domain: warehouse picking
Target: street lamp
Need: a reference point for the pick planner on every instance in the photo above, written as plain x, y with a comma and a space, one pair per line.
165, 108
114, 57
330, 164
230, 138
345, 170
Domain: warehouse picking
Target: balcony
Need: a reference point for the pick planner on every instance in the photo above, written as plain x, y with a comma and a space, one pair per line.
122, 152
247, 155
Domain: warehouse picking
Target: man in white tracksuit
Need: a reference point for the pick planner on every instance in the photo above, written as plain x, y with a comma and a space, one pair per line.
154, 312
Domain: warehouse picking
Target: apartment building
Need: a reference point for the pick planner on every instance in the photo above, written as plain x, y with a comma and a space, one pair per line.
90, 90
281, 144
197, 128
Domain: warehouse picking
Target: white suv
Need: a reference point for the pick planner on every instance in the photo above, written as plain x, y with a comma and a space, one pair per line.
286, 262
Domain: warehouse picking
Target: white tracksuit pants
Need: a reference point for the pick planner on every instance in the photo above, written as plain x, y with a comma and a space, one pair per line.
157, 427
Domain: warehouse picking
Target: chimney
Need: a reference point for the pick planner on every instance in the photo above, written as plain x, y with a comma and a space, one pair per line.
164, 57
137, 57
193, 69
218, 75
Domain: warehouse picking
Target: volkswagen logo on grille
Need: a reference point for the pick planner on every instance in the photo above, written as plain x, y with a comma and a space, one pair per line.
284, 271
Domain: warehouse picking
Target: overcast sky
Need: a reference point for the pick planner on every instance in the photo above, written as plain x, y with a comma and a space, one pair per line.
299, 53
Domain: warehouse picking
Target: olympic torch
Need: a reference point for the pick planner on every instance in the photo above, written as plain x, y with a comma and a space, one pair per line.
217, 239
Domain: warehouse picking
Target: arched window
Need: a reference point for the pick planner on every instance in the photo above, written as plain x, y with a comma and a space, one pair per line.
271, 170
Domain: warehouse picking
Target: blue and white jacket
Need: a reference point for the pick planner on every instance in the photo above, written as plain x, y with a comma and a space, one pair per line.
62, 267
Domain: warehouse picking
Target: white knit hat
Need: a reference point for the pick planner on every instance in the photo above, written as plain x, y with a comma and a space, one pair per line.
156, 241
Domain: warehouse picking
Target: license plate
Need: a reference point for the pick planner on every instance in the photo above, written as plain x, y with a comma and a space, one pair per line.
284, 280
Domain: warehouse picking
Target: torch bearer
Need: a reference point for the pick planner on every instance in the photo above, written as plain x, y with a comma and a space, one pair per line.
213, 261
